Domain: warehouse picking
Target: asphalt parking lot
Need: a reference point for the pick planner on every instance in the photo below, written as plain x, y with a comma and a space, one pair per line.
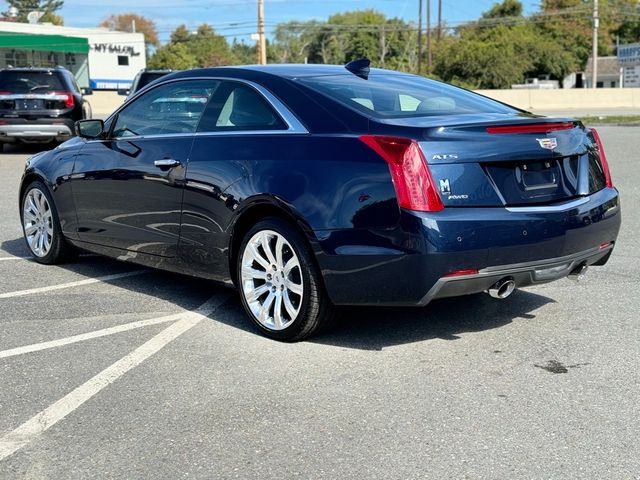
109, 370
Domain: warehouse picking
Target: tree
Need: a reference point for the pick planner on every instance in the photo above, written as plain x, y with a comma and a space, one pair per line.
175, 56
627, 15
347, 36
48, 7
500, 53
203, 48
180, 34
506, 9
209, 48
124, 22
246, 54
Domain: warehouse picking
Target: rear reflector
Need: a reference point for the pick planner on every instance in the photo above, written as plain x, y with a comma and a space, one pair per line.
605, 245
603, 158
462, 273
415, 188
532, 128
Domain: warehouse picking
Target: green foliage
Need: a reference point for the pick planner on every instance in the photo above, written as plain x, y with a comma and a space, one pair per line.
174, 56
508, 8
347, 36
203, 48
49, 7
246, 54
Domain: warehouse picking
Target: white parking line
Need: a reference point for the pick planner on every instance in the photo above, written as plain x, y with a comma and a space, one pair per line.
36, 347
25, 433
2, 259
88, 281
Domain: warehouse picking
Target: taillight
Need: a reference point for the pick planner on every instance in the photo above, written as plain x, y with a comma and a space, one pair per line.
412, 180
531, 128
68, 99
603, 158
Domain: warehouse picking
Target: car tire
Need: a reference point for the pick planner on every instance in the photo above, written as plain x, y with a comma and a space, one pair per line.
281, 289
40, 220
87, 113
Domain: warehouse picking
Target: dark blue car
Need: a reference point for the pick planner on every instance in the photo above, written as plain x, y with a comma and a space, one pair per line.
314, 186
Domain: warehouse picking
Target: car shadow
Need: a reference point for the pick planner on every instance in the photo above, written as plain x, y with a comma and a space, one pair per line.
16, 247
363, 328
374, 328
181, 290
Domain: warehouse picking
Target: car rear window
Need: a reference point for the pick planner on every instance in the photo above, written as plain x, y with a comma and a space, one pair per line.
147, 78
29, 82
398, 95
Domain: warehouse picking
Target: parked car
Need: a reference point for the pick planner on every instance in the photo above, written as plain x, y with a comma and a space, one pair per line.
40, 105
313, 186
142, 79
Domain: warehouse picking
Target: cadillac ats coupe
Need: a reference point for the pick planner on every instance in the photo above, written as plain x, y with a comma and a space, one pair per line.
314, 186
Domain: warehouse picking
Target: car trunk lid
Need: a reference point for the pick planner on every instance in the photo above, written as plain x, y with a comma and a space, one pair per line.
508, 160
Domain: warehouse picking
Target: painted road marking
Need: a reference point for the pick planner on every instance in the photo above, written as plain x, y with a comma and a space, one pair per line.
32, 428
13, 258
36, 347
88, 281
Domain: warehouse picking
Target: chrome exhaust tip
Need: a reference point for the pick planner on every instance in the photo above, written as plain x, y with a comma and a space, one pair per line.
502, 288
578, 273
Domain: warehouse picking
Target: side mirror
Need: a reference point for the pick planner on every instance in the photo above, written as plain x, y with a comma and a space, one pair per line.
86, 91
91, 129
123, 91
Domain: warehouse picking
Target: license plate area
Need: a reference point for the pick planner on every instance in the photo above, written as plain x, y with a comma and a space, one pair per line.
29, 104
534, 181
538, 175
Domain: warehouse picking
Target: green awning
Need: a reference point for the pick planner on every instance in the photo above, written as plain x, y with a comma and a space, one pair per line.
47, 43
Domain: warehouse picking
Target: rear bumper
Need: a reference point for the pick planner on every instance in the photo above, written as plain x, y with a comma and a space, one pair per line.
33, 132
408, 265
523, 274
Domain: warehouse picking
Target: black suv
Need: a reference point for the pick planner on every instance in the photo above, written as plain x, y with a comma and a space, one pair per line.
142, 79
40, 105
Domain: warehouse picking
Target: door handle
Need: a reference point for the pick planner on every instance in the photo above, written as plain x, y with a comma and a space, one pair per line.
166, 163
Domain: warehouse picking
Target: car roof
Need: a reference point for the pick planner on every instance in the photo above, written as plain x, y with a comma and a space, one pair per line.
284, 70
35, 69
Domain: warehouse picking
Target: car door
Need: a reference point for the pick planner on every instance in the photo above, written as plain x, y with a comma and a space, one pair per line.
128, 187
243, 124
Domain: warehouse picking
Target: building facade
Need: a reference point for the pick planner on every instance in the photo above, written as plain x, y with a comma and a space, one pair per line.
99, 58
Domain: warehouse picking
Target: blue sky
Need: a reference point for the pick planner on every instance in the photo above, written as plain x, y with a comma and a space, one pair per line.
223, 14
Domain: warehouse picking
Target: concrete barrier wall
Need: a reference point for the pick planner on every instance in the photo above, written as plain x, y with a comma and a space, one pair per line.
103, 103
569, 99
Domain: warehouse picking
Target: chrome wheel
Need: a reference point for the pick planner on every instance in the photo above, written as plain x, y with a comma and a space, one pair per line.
37, 220
271, 280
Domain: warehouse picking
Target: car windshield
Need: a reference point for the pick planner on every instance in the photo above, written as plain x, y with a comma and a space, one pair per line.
147, 78
29, 82
397, 95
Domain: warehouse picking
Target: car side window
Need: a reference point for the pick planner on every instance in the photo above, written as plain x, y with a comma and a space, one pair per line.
171, 108
239, 107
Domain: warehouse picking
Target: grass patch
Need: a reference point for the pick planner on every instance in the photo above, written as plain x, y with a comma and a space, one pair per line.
611, 120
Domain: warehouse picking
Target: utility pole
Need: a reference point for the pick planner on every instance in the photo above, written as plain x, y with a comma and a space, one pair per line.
439, 19
594, 54
262, 44
419, 37
428, 36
